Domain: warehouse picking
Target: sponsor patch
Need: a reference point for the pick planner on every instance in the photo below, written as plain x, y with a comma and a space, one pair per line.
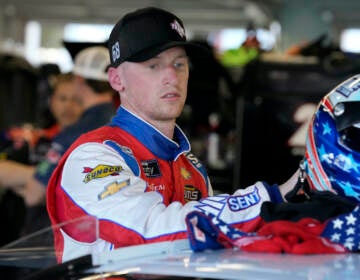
185, 173
241, 202
101, 171
194, 160
53, 156
348, 88
115, 51
191, 193
43, 167
113, 188
156, 188
198, 165
175, 25
151, 168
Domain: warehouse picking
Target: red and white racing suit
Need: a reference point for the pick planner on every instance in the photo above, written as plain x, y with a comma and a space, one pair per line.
139, 185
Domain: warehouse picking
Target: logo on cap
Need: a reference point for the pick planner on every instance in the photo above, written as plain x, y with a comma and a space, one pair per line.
115, 51
178, 28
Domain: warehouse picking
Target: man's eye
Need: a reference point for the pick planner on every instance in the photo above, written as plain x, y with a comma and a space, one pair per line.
179, 64
154, 66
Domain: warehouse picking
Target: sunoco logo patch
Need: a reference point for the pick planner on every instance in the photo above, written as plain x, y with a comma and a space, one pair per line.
101, 171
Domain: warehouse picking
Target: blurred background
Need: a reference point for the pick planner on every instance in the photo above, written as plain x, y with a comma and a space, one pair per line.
249, 101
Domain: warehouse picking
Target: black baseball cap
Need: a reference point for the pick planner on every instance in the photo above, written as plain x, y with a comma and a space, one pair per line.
144, 33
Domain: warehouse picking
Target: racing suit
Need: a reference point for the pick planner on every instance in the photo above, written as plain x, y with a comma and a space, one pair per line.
139, 185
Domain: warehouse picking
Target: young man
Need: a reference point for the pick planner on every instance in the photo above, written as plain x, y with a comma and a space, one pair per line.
137, 176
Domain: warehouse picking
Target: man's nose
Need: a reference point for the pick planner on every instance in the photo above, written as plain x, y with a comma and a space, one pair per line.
170, 75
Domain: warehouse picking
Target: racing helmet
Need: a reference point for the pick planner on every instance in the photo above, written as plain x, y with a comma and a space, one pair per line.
332, 152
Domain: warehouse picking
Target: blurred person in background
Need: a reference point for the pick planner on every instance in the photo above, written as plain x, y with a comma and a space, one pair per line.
97, 99
27, 145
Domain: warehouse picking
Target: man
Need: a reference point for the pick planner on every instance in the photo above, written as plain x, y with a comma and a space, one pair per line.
29, 146
96, 97
137, 176
65, 109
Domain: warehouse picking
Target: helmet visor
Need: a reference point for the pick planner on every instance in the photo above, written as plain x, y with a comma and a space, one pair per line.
350, 137
346, 114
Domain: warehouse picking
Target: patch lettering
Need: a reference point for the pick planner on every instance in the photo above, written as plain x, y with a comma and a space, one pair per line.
348, 88
175, 25
101, 171
194, 160
156, 188
115, 51
241, 202
151, 168
191, 193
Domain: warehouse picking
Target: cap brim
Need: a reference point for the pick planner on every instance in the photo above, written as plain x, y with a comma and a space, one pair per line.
192, 50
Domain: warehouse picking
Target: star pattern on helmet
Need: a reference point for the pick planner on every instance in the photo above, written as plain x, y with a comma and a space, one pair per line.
327, 128
345, 229
345, 162
323, 154
349, 189
353, 165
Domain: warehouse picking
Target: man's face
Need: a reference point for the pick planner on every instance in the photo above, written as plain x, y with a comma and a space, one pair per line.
156, 89
64, 104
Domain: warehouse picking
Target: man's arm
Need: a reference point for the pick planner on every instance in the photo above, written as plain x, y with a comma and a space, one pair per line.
33, 192
14, 175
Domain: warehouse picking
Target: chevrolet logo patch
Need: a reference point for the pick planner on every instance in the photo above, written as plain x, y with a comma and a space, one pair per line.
113, 188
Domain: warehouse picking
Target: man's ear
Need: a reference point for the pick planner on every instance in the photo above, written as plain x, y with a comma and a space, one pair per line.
115, 79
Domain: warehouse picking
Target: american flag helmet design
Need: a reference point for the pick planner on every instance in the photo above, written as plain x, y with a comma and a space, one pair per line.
332, 155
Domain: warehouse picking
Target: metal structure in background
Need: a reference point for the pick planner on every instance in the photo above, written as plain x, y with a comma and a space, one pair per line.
270, 95
203, 14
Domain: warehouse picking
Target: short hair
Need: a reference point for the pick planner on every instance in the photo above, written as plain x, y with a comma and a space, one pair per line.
58, 79
99, 87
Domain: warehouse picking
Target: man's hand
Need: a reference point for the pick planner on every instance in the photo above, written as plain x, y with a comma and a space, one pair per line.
33, 193
289, 184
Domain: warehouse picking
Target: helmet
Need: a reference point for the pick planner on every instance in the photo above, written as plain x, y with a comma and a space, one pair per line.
332, 153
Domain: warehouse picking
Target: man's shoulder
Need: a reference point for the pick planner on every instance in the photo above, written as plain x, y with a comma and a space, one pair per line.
97, 132
106, 132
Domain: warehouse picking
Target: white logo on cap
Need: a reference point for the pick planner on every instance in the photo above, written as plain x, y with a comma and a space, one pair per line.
177, 27
115, 50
